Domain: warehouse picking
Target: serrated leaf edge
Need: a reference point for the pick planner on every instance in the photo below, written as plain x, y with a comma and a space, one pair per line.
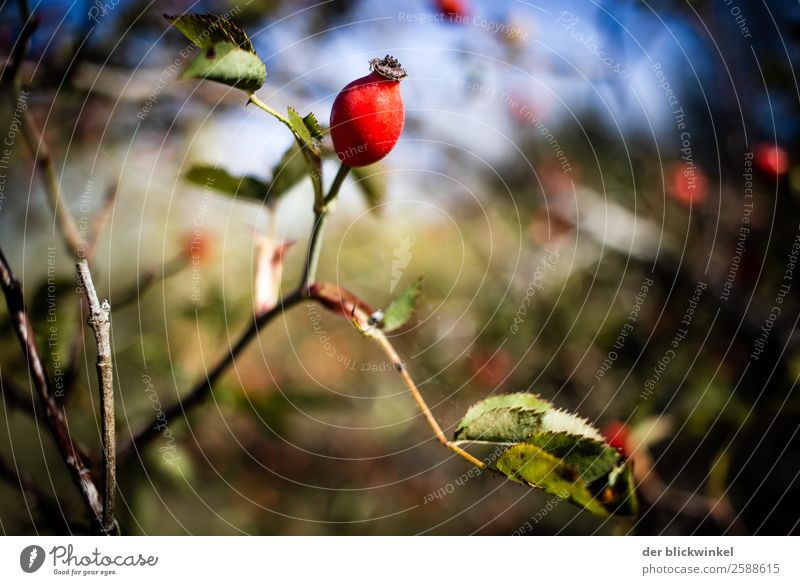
555, 418
311, 122
245, 44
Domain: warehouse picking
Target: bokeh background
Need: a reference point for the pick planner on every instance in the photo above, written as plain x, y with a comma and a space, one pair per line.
573, 182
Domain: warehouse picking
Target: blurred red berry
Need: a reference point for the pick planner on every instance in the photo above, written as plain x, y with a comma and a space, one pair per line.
771, 159
198, 247
367, 116
453, 9
490, 368
687, 183
617, 435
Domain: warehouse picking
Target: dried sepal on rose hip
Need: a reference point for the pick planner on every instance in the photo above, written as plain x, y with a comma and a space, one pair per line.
367, 116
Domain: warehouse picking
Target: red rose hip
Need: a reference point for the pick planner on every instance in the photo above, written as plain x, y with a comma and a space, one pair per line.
618, 435
367, 116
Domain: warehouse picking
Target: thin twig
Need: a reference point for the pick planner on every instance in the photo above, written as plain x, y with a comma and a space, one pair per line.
100, 322
318, 229
336, 186
314, 250
101, 220
81, 474
345, 304
146, 280
271, 111
398, 364
41, 152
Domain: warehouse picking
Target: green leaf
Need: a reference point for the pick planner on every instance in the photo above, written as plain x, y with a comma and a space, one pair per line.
206, 30
512, 418
289, 171
227, 53
533, 466
302, 131
313, 126
592, 459
554, 450
227, 64
402, 308
299, 126
507, 418
372, 184
220, 180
